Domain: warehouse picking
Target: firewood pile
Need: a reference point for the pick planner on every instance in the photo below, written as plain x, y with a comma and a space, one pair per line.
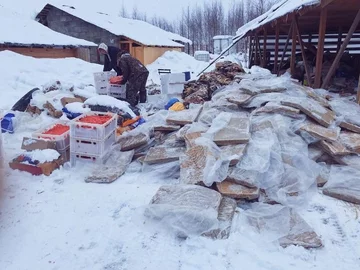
201, 90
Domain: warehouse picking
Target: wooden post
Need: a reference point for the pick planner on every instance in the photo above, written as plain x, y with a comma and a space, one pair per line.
293, 49
339, 40
285, 48
320, 47
342, 49
256, 49
251, 51
358, 92
264, 62
302, 50
276, 47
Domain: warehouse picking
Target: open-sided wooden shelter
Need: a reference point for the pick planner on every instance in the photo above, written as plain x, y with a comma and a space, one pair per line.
294, 28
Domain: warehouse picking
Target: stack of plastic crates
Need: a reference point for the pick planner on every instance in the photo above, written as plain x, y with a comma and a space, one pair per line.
101, 80
90, 140
62, 140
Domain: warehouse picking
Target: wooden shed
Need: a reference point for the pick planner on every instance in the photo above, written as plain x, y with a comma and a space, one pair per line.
28, 37
144, 41
319, 34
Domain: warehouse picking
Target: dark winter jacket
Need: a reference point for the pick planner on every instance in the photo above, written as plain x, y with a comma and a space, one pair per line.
111, 63
130, 67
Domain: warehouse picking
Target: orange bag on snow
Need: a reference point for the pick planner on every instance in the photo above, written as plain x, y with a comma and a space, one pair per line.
116, 80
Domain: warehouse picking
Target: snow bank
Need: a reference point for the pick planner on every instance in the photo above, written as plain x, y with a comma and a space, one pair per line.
177, 62
19, 74
182, 62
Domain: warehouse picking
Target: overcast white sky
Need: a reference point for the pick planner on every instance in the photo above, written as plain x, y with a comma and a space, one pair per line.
169, 9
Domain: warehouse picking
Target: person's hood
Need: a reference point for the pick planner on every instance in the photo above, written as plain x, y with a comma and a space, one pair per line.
103, 46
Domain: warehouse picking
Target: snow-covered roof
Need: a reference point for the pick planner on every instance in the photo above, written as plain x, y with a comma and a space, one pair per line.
140, 31
276, 11
222, 37
16, 29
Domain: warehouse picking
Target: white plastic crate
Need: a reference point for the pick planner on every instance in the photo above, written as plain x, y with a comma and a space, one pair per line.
93, 131
117, 91
62, 141
173, 83
88, 158
101, 80
86, 146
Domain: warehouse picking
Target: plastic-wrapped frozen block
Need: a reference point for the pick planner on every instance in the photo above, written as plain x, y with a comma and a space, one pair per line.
274, 107
183, 117
313, 109
208, 115
166, 171
114, 167
320, 132
251, 87
165, 154
276, 223
188, 210
343, 184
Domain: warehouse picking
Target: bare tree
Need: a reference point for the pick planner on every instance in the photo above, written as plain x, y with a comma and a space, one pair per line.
123, 11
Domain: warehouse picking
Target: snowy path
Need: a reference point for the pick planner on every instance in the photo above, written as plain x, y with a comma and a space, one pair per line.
60, 222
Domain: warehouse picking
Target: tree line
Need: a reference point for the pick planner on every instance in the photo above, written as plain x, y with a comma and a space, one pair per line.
201, 22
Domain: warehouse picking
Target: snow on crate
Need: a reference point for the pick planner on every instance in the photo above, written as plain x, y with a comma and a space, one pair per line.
77, 107
110, 102
42, 156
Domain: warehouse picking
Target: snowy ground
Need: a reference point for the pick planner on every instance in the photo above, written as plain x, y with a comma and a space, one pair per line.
60, 222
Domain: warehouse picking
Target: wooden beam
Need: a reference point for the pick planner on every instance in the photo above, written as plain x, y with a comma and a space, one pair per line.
293, 48
285, 49
264, 49
276, 47
259, 50
251, 51
320, 47
341, 51
324, 3
306, 44
302, 51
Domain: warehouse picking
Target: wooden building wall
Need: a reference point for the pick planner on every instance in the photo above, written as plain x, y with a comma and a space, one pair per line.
152, 53
81, 53
146, 55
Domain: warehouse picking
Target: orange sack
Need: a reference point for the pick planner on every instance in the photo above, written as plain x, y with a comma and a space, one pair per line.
116, 80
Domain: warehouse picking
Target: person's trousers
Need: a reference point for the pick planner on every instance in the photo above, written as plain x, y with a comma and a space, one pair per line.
136, 89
